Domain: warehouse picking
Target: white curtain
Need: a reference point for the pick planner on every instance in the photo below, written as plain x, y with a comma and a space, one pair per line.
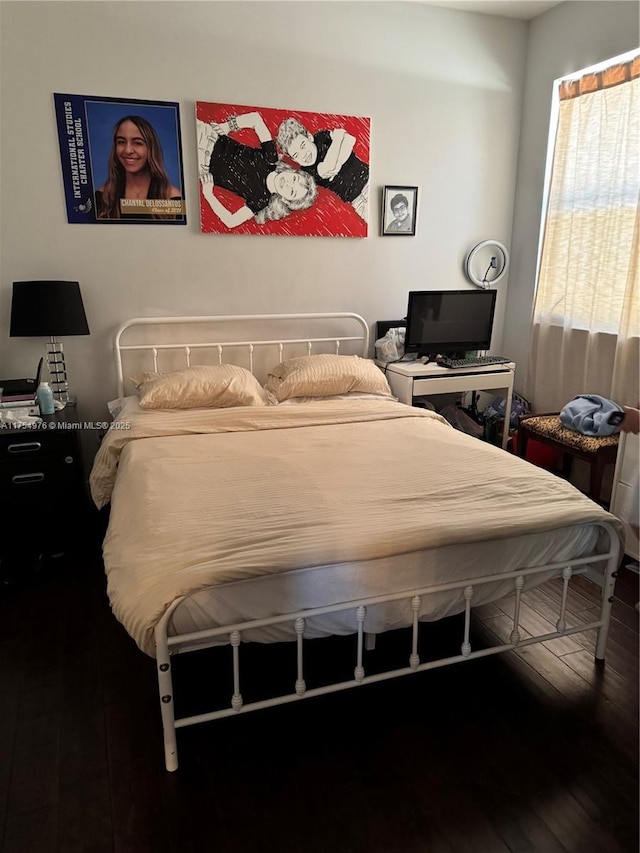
586, 324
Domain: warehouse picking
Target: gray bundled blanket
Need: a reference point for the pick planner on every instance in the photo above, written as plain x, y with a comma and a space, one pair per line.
589, 414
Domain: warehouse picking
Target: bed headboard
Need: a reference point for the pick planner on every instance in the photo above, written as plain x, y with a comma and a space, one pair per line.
254, 341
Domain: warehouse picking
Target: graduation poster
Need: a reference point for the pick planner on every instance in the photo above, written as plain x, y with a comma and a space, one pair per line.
121, 160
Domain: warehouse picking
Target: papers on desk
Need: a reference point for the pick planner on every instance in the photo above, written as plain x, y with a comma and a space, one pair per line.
20, 417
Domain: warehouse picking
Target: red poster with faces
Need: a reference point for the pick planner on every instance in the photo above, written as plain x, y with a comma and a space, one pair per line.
282, 172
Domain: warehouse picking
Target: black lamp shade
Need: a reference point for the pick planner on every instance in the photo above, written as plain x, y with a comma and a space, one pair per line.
42, 309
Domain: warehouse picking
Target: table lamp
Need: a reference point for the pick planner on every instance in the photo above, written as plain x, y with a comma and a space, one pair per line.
49, 309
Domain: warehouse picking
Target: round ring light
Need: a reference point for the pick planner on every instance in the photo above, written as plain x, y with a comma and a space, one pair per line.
486, 263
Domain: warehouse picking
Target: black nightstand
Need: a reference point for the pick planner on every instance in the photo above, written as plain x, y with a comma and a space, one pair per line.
42, 493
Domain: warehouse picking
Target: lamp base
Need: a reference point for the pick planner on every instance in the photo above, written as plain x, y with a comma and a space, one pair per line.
57, 370
71, 403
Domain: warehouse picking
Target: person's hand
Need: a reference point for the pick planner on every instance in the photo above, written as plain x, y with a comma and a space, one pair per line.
207, 184
325, 171
206, 177
631, 422
222, 128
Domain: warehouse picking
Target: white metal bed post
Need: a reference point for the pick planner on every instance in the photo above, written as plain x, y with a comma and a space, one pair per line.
465, 649
608, 587
515, 633
301, 686
358, 672
414, 657
236, 699
566, 577
165, 689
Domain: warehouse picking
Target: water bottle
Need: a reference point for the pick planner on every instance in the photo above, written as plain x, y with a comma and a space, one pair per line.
45, 398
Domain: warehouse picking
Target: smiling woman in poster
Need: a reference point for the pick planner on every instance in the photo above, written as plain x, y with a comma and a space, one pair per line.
135, 171
269, 188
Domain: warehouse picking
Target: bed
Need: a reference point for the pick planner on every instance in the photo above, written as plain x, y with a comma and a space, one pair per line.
320, 506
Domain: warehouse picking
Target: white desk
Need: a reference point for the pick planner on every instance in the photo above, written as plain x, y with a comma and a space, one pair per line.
409, 379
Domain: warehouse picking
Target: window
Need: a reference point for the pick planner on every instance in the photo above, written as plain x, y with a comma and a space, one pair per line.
589, 262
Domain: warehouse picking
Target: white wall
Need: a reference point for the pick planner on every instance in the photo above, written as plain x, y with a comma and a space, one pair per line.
442, 88
567, 38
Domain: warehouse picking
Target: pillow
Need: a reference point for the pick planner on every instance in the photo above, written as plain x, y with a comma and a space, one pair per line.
144, 376
325, 376
218, 386
336, 398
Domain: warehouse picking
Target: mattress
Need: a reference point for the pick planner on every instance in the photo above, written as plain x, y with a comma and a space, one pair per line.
259, 511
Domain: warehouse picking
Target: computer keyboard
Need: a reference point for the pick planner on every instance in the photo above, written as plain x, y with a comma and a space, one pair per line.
477, 361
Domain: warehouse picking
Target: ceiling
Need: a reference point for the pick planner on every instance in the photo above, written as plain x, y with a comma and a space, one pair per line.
524, 9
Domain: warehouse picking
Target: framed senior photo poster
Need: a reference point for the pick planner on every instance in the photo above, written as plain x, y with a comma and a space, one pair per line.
399, 209
121, 160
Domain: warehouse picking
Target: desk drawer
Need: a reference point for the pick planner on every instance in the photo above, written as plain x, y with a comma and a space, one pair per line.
29, 480
454, 382
35, 443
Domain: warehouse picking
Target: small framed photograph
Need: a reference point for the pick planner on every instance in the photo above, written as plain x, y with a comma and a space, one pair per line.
399, 209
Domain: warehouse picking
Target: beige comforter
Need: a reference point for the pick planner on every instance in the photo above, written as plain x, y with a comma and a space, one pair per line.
204, 497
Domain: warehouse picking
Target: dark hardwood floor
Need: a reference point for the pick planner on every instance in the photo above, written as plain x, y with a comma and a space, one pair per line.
529, 751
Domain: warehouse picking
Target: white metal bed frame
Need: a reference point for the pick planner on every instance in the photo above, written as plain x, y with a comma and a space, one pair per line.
167, 645
360, 337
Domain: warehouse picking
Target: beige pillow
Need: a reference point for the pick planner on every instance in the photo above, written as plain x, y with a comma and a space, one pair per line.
325, 376
353, 397
218, 386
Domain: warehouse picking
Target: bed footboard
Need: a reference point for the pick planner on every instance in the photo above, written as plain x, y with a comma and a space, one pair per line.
166, 645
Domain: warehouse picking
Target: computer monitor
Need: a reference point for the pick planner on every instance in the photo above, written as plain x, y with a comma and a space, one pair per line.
449, 321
